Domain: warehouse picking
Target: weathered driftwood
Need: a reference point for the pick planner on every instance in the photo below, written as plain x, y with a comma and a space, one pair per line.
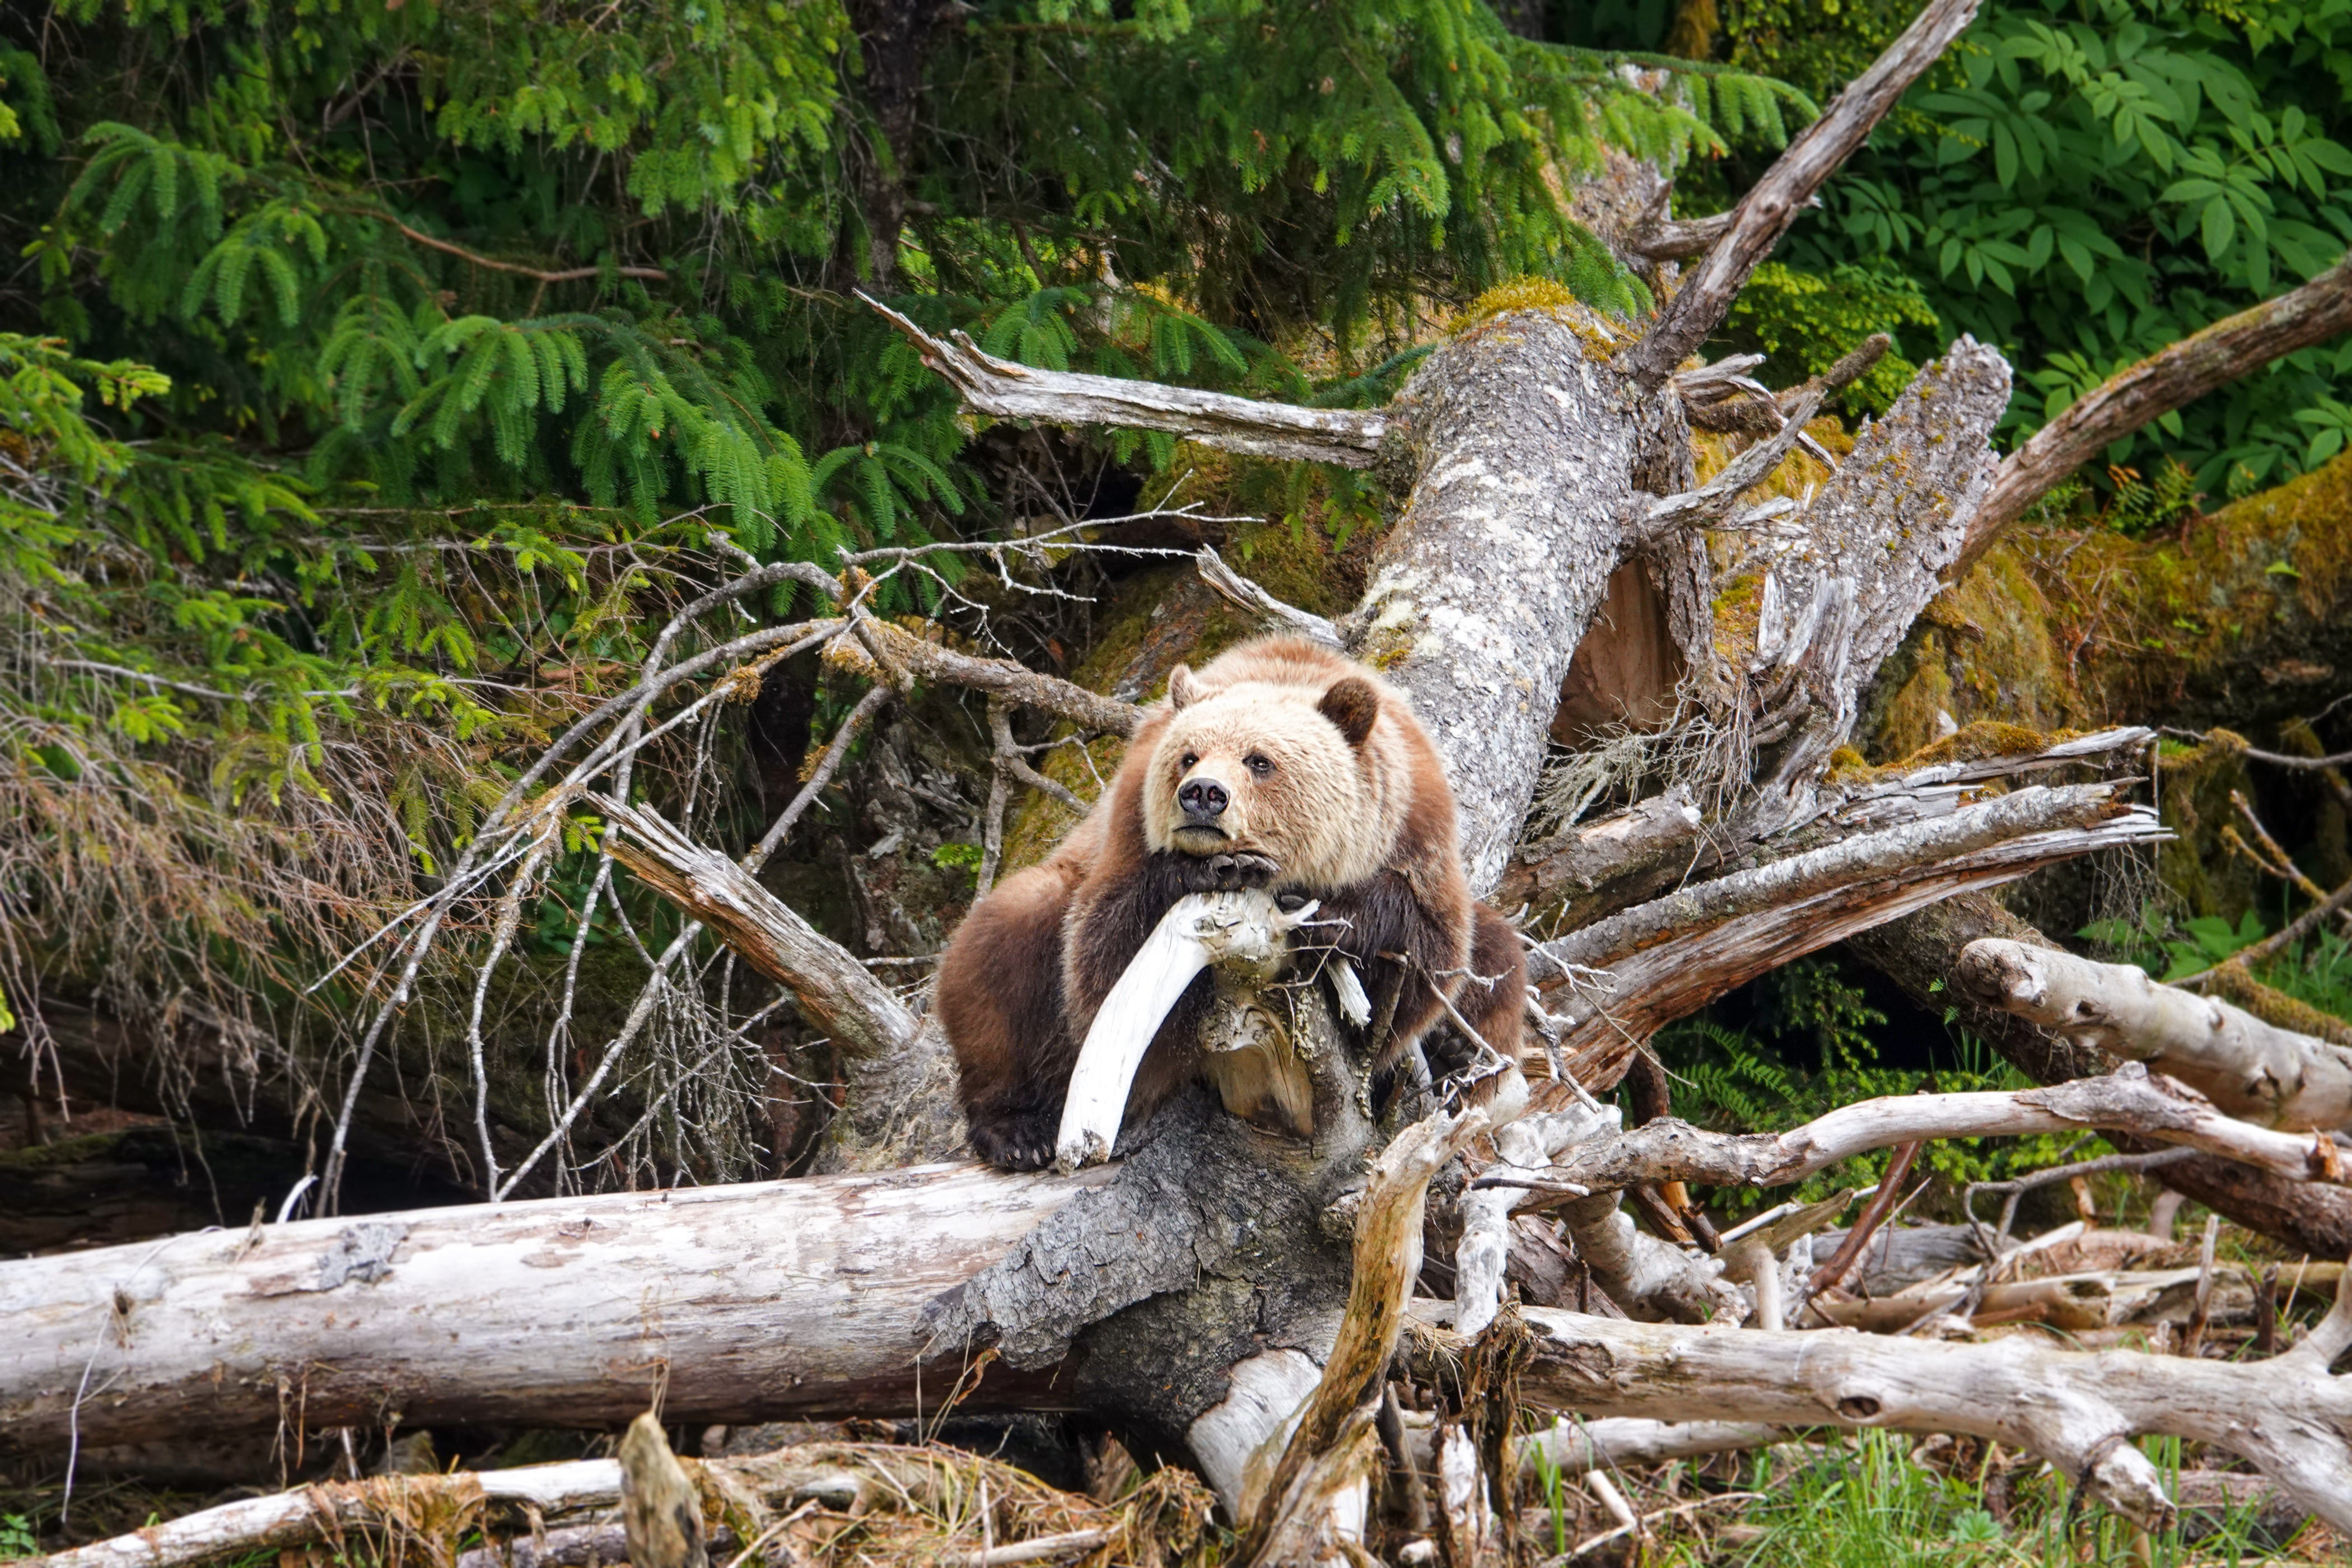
2248, 1068
2288, 1415
1680, 953
757, 1302
834, 991
291, 1519
1306, 1487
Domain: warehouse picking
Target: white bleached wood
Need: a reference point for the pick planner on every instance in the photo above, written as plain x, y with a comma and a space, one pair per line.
2248, 1068
1199, 929
1268, 1392
765, 1302
1485, 1245
2129, 1099
287, 1518
2076, 1409
1573, 1448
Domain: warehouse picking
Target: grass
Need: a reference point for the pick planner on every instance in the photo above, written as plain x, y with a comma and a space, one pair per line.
1863, 1501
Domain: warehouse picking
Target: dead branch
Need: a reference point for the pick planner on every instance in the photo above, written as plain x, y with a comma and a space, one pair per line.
1316, 1462
902, 654
2171, 378
1598, 868
225, 1332
1573, 1448
2250, 1069
834, 991
1238, 590
1661, 966
1765, 213
1008, 390
1711, 503
290, 1519
1869, 856
2129, 1099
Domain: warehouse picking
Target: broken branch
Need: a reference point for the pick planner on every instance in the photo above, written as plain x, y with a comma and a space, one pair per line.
1008, 390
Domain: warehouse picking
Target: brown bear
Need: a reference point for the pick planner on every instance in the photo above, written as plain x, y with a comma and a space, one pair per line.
1281, 765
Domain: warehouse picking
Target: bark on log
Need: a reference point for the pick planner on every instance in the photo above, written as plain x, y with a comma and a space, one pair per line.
758, 1302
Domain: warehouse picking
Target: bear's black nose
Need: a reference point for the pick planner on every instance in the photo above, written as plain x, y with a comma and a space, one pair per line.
1203, 798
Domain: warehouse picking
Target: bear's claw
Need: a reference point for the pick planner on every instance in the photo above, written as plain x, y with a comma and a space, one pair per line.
1022, 1145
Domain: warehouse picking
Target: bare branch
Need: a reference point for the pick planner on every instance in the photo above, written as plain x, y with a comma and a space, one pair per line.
1236, 589
1764, 214
1387, 1262
1713, 501
1009, 391
2129, 1099
1684, 968
900, 652
834, 991
290, 1519
2171, 378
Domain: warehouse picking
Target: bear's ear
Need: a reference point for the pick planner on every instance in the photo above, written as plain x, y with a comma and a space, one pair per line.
1183, 687
1352, 705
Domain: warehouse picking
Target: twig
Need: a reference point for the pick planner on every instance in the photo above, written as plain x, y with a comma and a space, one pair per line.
1831, 1275
1069, 1543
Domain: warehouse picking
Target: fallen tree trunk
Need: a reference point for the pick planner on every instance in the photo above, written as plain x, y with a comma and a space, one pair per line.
759, 1302
2288, 1415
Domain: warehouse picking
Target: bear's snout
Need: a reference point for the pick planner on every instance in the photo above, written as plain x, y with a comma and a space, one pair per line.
1203, 798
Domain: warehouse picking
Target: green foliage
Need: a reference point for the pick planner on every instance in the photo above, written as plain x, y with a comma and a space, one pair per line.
16, 1538
1808, 1044
381, 374
2085, 182
1804, 321
2211, 941
1863, 1502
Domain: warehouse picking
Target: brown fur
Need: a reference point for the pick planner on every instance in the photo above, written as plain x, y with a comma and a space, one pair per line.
1328, 788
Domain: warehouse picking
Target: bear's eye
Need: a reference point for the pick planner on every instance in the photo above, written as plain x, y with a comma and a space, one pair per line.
1259, 763
1191, 758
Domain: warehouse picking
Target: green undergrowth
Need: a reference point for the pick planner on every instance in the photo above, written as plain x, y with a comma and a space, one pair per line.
1866, 1499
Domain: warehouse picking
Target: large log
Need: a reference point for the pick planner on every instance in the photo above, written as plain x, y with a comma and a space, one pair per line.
756, 1302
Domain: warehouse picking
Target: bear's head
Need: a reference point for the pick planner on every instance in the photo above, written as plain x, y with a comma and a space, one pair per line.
1277, 769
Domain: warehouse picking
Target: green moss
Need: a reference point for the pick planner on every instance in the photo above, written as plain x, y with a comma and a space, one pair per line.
1978, 743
